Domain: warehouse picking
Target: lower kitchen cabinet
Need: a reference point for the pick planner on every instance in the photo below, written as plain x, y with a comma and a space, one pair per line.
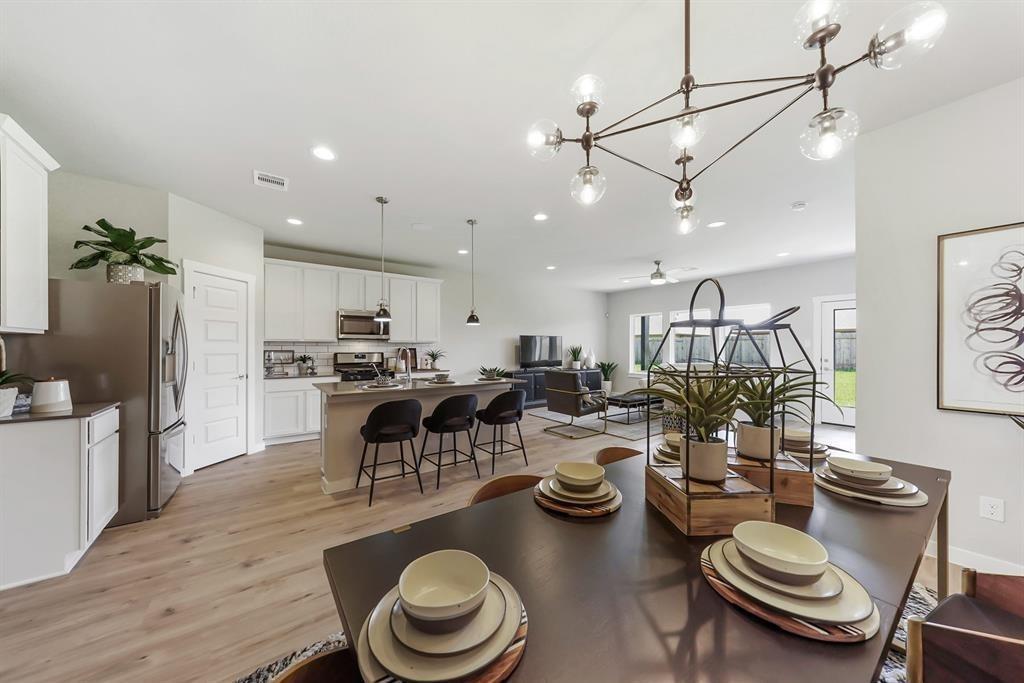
291, 408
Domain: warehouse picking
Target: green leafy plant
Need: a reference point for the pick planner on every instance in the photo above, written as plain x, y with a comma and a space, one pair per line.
793, 394
121, 247
711, 400
576, 352
10, 379
435, 355
607, 368
304, 358
493, 372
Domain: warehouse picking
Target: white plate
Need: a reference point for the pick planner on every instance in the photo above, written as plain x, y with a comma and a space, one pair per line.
894, 487
853, 604
391, 657
485, 379
917, 500
602, 491
394, 385
547, 490
861, 469
481, 627
432, 381
828, 586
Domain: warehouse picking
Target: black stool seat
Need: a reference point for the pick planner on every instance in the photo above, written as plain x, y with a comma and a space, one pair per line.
504, 409
451, 416
443, 425
391, 422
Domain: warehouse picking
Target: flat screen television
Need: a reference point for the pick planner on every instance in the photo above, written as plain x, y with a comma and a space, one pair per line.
540, 351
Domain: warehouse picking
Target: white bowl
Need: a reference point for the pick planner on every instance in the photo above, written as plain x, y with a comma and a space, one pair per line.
859, 469
579, 476
443, 585
781, 552
673, 440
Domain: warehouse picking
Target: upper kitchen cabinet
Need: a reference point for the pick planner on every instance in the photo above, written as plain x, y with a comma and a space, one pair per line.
24, 167
428, 311
402, 300
351, 291
283, 301
319, 304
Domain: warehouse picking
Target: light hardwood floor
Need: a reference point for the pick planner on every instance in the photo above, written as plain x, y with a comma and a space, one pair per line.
231, 576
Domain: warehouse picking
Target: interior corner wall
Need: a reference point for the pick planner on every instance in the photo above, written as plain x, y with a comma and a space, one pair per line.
912, 185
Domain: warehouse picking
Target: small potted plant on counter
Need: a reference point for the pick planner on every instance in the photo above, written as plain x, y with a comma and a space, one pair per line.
124, 255
607, 368
576, 354
306, 364
434, 355
493, 373
10, 383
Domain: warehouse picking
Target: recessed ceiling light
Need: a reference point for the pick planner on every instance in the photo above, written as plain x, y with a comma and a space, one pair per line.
798, 206
540, 216
716, 224
783, 253
463, 251
625, 280
325, 153
962, 263
294, 221
551, 267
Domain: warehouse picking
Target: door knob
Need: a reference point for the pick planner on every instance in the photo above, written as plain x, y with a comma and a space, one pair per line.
241, 377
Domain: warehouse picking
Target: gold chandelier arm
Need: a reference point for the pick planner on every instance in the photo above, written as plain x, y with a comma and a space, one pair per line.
637, 164
640, 111
751, 133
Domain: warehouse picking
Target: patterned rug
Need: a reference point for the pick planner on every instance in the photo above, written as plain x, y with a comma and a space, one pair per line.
919, 603
630, 432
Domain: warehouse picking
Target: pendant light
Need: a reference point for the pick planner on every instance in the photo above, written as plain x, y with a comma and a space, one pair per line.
473, 318
383, 315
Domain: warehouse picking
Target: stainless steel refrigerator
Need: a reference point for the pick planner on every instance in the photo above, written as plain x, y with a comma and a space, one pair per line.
122, 343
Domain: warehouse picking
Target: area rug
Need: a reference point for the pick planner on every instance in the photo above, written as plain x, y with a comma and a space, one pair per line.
920, 602
632, 432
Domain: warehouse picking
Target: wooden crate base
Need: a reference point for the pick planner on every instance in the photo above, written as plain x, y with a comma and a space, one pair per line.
710, 509
794, 482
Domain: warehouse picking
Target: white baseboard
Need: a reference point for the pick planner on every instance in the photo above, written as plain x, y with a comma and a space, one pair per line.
291, 439
258, 447
973, 560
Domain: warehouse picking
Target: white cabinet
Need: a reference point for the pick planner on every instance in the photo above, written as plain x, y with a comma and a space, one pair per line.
373, 292
24, 168
284, 412
402, 300
428, 311
103, 481
319, 304
313, 410
282, 296
351, 291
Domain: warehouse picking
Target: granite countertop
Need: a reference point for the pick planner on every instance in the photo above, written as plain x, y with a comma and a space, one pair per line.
418, 385
319, 374
77, 412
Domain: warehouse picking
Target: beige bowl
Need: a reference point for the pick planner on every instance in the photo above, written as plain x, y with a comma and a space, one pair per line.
781, 552
673, 440
860, 470
443, 586
579, 476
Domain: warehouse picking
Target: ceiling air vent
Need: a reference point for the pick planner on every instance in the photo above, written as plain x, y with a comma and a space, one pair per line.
274, 182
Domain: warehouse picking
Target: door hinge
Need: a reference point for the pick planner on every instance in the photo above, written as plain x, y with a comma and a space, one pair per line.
193, 291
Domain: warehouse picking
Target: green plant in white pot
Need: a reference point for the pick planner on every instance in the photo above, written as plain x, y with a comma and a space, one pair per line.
123, 253
10, 385
576, 356
607, 369
434, 355
711, 400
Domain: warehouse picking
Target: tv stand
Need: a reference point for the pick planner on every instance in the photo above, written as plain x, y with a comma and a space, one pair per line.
535, 384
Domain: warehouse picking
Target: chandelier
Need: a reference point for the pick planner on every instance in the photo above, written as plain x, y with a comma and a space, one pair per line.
908, 33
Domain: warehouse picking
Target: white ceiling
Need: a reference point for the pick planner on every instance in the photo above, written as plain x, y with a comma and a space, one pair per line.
429, 102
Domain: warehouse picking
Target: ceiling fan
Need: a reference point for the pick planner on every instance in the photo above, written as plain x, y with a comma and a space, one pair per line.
659, 276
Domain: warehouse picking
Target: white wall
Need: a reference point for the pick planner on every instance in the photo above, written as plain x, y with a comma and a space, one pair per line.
795, 285
957, 167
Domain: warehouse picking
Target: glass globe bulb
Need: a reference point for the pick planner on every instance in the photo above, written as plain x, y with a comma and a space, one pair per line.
828, 132
687, 130
544, 139
816, 14
587, 88
588, 185
907, 34
687, 219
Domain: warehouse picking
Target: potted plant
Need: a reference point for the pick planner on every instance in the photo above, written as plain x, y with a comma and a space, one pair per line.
607, 368
434, 355
9, 386
123, 253
792, 397
304, 361
576, 354
493, 373
712, 405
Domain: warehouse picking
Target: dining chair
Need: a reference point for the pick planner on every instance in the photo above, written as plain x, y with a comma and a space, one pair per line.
502, 486
336, 665
607, 456
504, 409
452, 415
390, 422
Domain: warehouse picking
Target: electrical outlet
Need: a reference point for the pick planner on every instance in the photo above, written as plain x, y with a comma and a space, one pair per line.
991, 508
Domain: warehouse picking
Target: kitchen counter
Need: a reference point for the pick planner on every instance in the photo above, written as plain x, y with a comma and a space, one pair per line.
336, 389
318, 375
77, 412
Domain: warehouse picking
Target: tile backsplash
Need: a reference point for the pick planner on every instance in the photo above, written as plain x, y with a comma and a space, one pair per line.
323, 352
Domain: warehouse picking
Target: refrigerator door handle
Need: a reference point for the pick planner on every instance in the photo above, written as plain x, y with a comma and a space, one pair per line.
180, 337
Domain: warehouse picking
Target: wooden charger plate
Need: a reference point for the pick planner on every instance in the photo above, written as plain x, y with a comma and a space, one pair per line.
830, 633
582, 510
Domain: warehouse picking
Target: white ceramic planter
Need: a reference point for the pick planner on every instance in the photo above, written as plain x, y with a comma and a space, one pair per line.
606, 387
576, 364
708, 461
7, 398
755, 442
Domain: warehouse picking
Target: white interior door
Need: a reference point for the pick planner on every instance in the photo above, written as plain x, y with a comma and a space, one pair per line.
838, 361
219, 325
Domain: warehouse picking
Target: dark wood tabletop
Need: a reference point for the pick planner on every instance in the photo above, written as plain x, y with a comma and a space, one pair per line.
622, 598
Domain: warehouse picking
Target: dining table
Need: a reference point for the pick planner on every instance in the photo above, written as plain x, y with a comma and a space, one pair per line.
623, 598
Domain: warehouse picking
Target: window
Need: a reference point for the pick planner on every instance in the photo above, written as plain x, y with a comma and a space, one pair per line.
679, 347
746, 353
645, 333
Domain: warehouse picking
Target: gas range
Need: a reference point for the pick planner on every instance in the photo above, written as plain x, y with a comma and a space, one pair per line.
359, 367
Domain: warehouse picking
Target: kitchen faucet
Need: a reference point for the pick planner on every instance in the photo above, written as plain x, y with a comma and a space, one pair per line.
408, 363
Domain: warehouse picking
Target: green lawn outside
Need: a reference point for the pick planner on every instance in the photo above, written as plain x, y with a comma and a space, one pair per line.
846, 388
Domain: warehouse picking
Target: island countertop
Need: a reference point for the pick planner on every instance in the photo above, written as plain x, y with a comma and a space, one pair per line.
335, 389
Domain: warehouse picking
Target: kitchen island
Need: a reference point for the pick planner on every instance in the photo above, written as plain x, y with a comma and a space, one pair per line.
345, 405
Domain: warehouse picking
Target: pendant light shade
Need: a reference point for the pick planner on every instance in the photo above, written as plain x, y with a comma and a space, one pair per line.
473, 319
383, 315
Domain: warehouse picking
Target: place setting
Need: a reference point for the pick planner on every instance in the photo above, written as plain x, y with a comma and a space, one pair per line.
441, 378
797, 443
578, 489
784, 577
449, 618
867, 480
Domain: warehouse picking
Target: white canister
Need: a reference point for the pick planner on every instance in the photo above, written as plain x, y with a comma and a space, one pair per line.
50, 396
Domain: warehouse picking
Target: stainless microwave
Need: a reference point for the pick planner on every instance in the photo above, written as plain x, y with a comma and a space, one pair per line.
361, 325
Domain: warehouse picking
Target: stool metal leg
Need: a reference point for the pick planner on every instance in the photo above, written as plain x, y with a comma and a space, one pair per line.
401, 456
373, 476
361, 461
415, 467
472, 454
440, 452
521, 444
423, 446
494, 455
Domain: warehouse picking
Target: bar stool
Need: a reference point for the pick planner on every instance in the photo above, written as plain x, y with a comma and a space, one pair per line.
504, 409
451, 416
391, 422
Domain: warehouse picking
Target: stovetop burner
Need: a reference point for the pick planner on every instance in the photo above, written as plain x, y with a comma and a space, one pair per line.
358, 373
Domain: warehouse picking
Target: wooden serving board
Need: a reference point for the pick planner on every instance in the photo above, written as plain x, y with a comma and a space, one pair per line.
708, 509
830, 633
794, 483
583, 510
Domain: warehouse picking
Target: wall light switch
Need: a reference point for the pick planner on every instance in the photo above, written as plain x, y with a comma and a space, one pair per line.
991, 508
